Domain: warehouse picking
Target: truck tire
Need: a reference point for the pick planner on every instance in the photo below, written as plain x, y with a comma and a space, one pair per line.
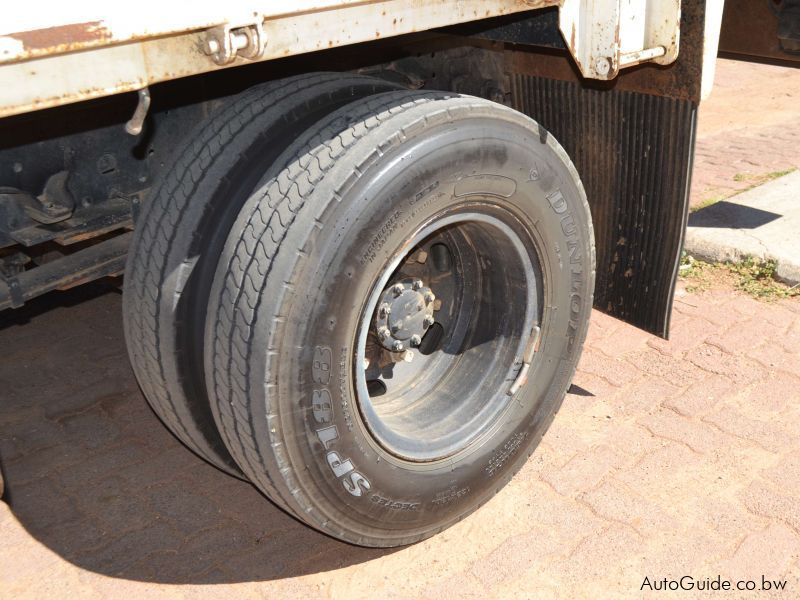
444, 226
182, 229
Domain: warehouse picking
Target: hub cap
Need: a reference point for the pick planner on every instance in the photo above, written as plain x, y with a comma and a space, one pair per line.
404, 314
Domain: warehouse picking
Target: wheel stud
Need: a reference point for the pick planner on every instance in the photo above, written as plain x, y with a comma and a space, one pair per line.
429, 297
383, 333
429, 321
417, 283
384, 310
415, 340
398, 346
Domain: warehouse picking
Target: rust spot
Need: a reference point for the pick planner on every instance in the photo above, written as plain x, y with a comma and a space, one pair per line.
63, 37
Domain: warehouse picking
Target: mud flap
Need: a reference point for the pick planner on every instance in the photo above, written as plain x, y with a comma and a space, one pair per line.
632, 141
634, 153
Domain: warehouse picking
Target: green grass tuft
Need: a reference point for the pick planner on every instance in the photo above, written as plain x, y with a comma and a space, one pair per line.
752, 276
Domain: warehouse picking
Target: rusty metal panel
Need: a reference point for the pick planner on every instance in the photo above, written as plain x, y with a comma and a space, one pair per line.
33, 30
54, 57
58, 71
633, 152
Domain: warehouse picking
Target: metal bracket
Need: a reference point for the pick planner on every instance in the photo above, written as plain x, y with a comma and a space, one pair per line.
245, 39
605, 36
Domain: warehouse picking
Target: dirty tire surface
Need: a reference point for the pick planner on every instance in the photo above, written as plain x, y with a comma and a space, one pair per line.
285, 298
180, 234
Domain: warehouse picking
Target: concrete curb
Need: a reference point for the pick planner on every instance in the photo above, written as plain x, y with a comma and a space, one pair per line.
763, 222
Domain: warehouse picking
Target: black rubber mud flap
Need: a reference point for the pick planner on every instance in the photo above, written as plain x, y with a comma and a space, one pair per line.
634, 153
632, 141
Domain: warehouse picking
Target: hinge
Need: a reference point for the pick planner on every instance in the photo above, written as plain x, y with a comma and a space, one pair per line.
242, 38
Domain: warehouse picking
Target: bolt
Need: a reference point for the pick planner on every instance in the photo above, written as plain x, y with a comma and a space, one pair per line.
212, 46
415, 340
398, 289
384, 310
416, 284
398, 346
602, 66
429, 297
383, 332
429, 320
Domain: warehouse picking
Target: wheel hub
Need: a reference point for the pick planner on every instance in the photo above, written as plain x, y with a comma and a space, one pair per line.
405, 312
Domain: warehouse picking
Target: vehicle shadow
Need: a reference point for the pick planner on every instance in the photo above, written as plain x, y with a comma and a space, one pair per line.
92, 474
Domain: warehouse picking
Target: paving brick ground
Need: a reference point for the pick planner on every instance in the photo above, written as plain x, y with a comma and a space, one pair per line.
747, 129
668, 459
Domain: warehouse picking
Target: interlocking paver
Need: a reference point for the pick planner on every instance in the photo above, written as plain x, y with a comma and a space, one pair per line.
700, 397
655, 466
768, 553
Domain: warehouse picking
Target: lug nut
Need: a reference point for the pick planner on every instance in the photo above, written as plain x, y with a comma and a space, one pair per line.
416, 284
415, 340
429, 297
398, 346
383, 333
428, 321
384, 310
422, 257
398, 289
397, 327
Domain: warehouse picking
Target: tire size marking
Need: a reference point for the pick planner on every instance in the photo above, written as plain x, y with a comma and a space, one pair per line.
418, 205
449, 495
394, 504
348, 418
379, 239
322, 411
509, 449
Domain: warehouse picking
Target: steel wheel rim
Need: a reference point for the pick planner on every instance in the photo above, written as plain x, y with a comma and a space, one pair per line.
434, 416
